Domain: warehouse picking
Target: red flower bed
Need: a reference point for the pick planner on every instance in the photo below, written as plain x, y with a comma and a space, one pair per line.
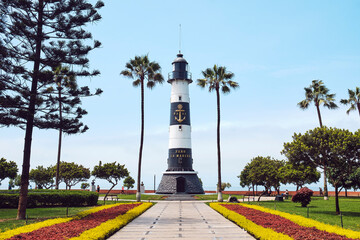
76, 227
283, 225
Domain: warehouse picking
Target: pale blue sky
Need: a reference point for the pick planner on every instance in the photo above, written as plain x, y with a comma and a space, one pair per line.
275, 49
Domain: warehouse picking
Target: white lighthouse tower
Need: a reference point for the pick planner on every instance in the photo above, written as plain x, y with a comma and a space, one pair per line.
180, 176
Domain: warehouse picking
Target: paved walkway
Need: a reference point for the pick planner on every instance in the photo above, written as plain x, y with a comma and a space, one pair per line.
181, 220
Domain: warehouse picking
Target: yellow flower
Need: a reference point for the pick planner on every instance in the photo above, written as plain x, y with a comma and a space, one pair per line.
306, 222
32, 227
256, 230
107, 228
50, 222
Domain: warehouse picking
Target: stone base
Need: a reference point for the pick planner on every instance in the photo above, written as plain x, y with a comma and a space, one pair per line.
177, 182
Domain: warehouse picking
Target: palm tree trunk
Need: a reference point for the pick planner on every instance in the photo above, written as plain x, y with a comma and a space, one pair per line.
220, 198
324, 166
358, 107
138, 193
59, 144
319, 115
21, 214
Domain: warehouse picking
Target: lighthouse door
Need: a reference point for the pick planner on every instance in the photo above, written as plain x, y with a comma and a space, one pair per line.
180, 184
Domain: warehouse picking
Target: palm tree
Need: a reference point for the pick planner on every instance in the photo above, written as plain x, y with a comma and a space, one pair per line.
319, 94
218, 79
354, 100
66, 100
140, 68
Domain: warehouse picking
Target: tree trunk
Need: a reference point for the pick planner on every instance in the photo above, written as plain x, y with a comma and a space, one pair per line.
337, 200
220, 198
358, 107
345, 192
21, 214
263, 193
138, 193
59, 145
108, 192
325, 182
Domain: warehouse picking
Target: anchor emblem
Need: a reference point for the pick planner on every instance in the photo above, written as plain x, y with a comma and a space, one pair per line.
180, 114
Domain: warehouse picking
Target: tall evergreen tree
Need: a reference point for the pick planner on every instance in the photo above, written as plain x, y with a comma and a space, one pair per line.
140, 68
218, 79
319, 94
37, 36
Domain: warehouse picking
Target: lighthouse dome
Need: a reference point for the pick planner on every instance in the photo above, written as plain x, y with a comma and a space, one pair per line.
180, 59
180, 70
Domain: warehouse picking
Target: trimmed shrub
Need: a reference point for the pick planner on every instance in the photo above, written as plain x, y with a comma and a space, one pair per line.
303, 196
41, 198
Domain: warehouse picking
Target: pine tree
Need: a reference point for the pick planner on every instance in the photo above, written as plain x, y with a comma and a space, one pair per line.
36, 37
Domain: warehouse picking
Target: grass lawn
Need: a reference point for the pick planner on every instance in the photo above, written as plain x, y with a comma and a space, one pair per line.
8, 216
322, 211
214, 197
144, 197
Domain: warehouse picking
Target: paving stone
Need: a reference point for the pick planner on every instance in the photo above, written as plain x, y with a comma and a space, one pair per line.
181, 220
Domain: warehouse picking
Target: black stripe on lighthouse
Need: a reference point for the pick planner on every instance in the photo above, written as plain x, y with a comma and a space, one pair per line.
179, 113
180, 159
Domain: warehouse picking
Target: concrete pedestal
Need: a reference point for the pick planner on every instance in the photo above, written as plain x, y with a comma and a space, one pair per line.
180, 182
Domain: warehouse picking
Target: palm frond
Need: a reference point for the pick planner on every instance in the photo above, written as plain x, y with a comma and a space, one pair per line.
225, 89
344, 101
351, 93
141, 68
212, 87
150, 84
233, 84
202, 83
309, 93
229, 75
352, 107
330, 105
136, 83
304, 104
155, 66
158, 78
208, 73
357, 92
129, 66
127, 73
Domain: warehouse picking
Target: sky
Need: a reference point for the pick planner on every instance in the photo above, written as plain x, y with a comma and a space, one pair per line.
274, 48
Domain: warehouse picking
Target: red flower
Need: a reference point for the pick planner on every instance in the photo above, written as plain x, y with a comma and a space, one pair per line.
75, 227
283, 225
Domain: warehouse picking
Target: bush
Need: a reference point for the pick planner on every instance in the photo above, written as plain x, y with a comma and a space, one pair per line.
303, 196
38, 198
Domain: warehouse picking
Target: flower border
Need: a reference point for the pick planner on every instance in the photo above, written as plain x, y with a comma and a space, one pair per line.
254, 229
50, 222
107, 228
306, 222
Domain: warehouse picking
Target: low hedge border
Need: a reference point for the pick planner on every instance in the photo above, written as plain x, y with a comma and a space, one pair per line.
50, 198
306, 222
254, 229
107, 228
50, 222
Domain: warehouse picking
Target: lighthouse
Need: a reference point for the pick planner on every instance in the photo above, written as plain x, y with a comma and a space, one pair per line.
180, 176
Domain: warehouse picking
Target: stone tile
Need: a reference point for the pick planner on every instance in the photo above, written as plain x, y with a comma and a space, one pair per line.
181, 220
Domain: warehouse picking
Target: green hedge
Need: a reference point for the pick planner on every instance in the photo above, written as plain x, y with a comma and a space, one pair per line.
42, 198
